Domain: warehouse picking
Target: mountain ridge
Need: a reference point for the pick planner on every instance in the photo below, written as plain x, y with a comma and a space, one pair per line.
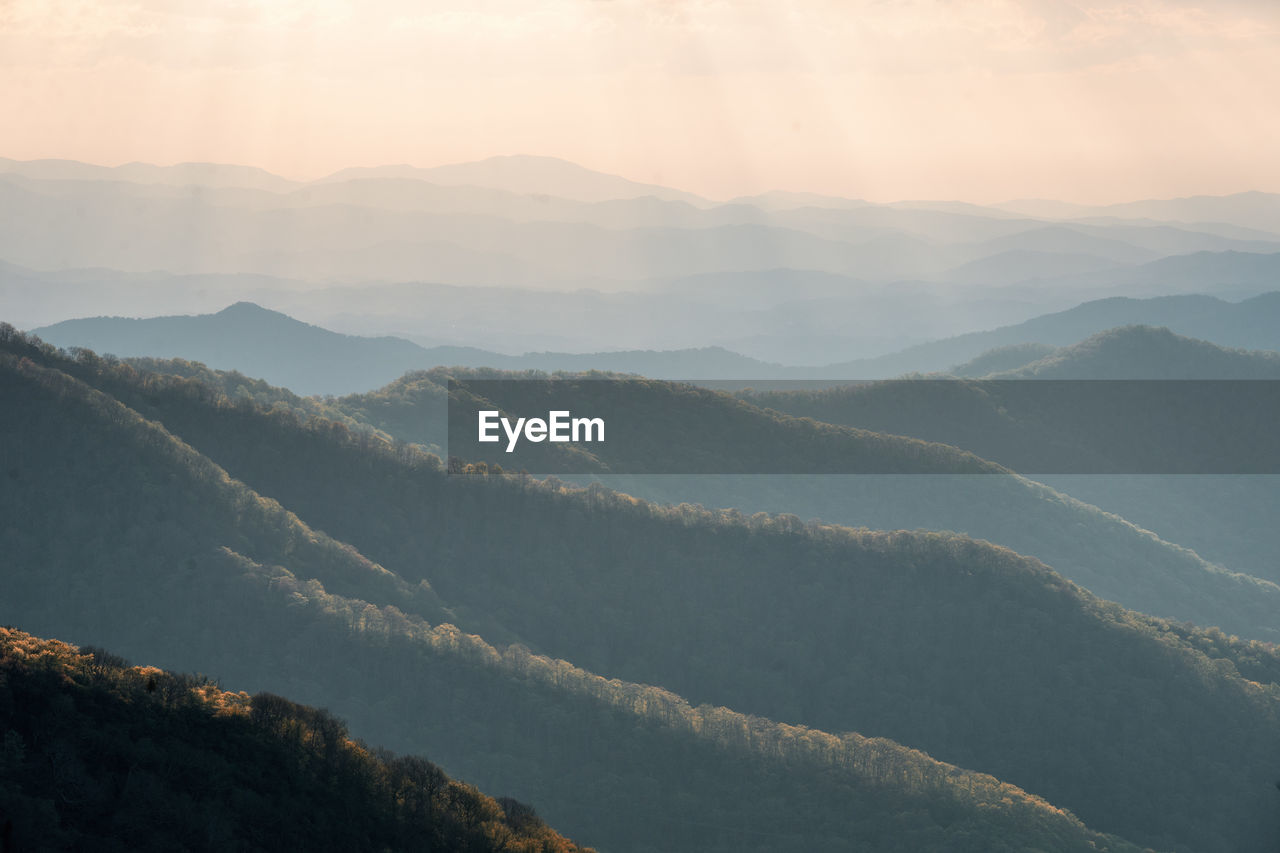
1147, 352
98, 753
635, 610
265, 625
310, 359
526, 174
1248, 323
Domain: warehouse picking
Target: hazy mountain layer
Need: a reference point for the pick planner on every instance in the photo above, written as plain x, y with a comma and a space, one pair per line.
1250, 323
525, 222
251, 340
311, 360
308, 359
1257, 210
1145, 352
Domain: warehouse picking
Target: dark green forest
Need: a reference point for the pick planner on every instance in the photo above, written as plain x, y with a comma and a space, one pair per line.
1156, 731
99, 755
699, 779
634, 765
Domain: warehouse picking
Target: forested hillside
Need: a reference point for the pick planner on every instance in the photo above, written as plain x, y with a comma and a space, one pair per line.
1146, 352
980, 657
635, 427
634, 764
630, 768
659, 427
1225, 518
1228, 519
205, 507
100, 755
1250, 322
1002, 358
1112, 558
1189, 419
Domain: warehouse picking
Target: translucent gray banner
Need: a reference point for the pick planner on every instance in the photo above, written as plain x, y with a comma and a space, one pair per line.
913, 426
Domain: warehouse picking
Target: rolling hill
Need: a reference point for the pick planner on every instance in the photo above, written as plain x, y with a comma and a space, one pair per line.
1164, 407
703, 603
254, 341
1115, 559
308, 359
99, 754
629, 767
412, 410
178, 175
1248, 209
526, 175
1225, 518
1146, 352
1250, 323
1007, 357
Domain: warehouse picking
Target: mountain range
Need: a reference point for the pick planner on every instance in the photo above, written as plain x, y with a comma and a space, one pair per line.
1248, 210
90, 240
311, 360
492, 589
1247, 324
858, 567
640, 587
139, 514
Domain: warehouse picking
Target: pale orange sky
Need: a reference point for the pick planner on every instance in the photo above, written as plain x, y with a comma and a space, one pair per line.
981, 100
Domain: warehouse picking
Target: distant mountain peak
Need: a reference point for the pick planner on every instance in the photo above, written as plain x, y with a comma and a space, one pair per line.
244, 308
256, 341
1142, 351
526, 174
177, 174
250, 315
532, 158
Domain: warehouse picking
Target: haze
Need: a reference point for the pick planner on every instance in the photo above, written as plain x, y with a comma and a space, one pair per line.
982, 101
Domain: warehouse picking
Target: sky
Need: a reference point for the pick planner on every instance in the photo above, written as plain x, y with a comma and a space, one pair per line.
1091, 101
